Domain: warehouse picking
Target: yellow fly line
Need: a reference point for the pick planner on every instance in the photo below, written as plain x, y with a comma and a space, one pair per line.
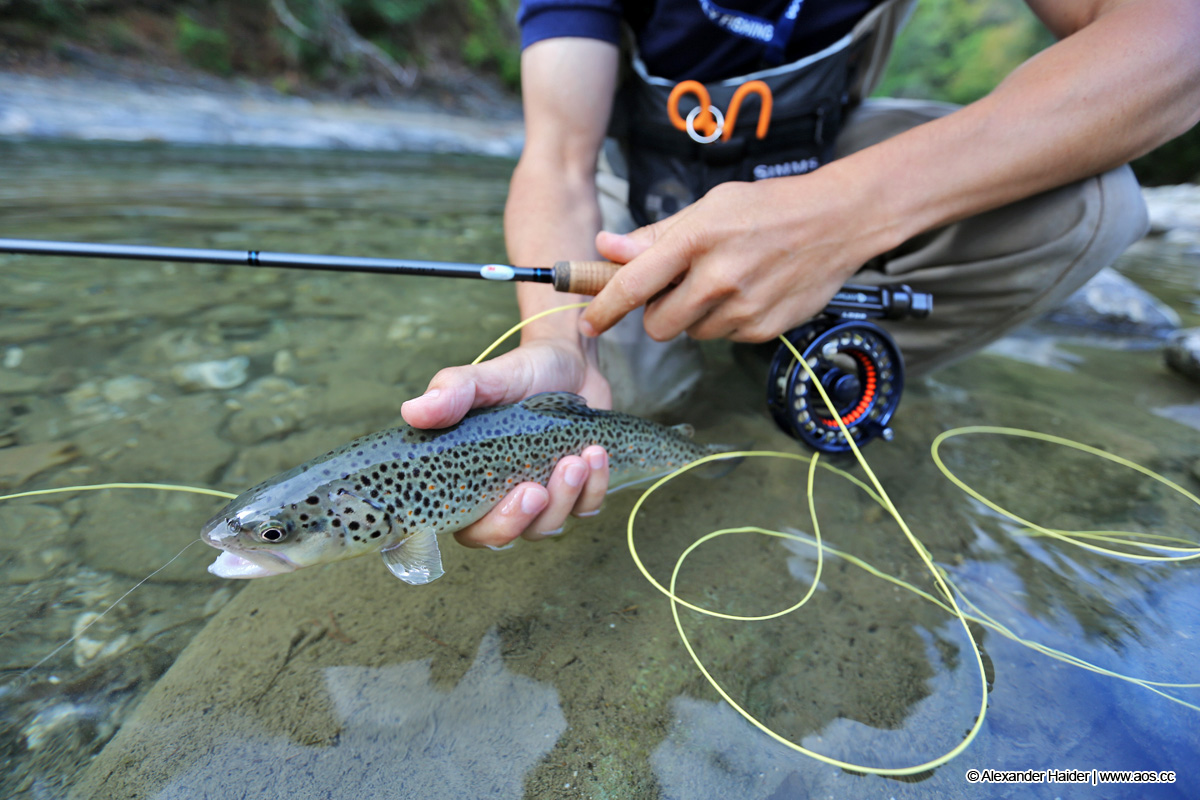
1138, 546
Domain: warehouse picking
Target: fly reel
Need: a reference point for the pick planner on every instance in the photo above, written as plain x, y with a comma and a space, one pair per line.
856, 362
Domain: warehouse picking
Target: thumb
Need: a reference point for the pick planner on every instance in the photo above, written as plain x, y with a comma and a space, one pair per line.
456, 390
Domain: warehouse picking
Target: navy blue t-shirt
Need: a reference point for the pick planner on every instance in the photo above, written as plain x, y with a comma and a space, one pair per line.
677, 41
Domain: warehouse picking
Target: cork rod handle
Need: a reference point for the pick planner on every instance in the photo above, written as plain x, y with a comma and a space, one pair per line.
583, 277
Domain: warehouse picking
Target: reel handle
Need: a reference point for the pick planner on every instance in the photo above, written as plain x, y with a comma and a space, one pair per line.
583, 277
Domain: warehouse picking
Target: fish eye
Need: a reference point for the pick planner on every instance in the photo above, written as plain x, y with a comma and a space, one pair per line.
271, 531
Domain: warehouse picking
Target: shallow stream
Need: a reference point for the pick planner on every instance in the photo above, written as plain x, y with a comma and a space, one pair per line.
552, 669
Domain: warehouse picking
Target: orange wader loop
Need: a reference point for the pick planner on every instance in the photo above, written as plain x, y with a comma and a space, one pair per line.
764, 113
704, 122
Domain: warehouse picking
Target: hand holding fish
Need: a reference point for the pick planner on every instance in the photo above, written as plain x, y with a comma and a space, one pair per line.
578, 483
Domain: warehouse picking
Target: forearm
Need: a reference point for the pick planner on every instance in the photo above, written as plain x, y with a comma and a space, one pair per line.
1115, 89
551, 215
552, 212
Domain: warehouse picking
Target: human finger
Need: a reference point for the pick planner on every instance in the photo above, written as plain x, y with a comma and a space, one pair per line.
596, 486
632, 286
623, 248
504, 523
565, 485
695, 301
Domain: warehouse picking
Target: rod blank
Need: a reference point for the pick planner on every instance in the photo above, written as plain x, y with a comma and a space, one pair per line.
257, 258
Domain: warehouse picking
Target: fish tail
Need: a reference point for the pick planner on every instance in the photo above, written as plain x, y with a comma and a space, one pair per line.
719, 468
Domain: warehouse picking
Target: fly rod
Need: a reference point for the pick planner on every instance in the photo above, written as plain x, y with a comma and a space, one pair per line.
577, 277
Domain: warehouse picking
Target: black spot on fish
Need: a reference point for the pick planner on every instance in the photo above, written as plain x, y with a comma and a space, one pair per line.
371, 518
375, 475
337, 523
348, 510
374, 493
388, 481
304, 517
376, 534
354, 526
359, 453
312, 500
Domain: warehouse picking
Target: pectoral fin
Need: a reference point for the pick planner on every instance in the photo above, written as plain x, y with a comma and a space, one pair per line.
416, 560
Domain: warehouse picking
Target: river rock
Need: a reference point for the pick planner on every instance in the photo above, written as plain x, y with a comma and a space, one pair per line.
1112, 303
1173, 208
45, 528
271, 406
127, 389
226, 374
1175, 214
133, 533
1183, 353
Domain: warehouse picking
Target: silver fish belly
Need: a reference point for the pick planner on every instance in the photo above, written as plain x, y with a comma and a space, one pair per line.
394, 491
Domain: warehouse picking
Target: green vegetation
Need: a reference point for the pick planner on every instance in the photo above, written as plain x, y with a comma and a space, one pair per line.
959, 50
353, 45
206, 48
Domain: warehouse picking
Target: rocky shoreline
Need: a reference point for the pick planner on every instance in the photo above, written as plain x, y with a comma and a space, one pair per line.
87, 108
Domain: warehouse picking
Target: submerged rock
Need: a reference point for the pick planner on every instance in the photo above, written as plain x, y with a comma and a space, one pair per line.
127, 389
270, 407
1112, 303
1183, 353
226, 374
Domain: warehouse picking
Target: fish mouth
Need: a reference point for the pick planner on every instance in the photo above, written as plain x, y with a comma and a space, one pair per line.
250, 565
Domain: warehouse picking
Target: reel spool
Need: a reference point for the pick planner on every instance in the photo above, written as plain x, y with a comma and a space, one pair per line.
857, 363
860, 368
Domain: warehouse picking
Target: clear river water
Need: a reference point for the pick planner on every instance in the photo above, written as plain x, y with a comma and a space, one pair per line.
551, 670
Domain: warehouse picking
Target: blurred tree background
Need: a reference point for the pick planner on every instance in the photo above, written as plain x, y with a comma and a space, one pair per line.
952, 50
958, 50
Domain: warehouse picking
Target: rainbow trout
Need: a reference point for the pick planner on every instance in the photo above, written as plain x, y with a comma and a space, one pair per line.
394, 491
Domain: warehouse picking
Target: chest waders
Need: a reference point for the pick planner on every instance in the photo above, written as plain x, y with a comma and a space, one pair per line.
682, 139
